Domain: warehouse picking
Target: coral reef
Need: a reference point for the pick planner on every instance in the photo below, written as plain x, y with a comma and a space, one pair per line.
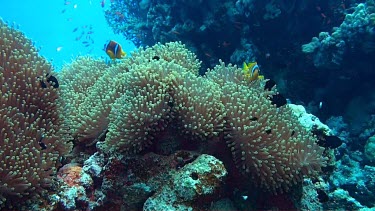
157, 92
224, 30
356, 32
33, 135
152, 22
350, 187
271, 33
310, 197
149, 132
128, 181
354, 183
155, 102
199, 179
370, 149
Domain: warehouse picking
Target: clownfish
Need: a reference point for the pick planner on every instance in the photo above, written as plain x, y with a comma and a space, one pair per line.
114, 50
252, 71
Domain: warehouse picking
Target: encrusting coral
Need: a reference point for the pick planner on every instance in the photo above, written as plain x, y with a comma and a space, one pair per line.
158, 90
33, 136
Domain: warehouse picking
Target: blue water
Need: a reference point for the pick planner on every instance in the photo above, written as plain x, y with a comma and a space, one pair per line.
50, 24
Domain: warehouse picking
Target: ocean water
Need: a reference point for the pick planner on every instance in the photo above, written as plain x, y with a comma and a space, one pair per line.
59, 28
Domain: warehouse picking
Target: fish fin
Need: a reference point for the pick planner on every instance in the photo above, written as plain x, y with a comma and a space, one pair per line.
244, 66
111, 54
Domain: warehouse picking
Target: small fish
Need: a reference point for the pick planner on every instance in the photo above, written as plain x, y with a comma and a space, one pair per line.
175, 32
42, 145
251, 71
63, 11
330, 141
322, 196
102, 3
278, 100
327, 141
269, 85
52, 80
225, 44
59, 48
85, 42
75, 29
207, 54
114, 50
87, 45
292, 134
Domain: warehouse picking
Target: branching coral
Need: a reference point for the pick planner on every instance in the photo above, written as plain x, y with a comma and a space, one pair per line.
33, 136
